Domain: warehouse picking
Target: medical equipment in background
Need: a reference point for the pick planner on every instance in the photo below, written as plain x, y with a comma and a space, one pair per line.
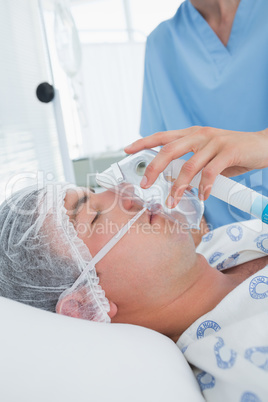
69, 54
67, 39
125, 176
132, 168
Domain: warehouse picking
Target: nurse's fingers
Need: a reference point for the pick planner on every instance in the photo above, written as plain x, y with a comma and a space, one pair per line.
190, 169
221, 164
159, 139
169, 152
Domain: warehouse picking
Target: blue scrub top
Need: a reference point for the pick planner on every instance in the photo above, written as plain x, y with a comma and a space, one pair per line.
191, 78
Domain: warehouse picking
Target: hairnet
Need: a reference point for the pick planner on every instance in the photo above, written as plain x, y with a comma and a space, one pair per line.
40, 253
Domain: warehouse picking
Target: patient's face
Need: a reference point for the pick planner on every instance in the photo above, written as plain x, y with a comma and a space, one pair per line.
143, 269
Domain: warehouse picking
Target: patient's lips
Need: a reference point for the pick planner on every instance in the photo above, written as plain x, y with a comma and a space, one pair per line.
152, 218
154, 211
155, 208
149, 215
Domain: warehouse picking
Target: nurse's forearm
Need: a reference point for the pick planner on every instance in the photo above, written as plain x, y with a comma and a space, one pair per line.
215, 151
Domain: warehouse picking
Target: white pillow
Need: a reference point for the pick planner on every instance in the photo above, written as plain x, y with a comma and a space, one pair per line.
46, 357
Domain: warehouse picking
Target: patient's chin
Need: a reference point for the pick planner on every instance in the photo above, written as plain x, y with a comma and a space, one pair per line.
197, 234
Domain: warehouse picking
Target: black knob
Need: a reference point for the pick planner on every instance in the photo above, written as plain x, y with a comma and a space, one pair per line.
45, 92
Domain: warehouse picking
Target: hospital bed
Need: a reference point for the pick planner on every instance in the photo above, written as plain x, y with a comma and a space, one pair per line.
49, 357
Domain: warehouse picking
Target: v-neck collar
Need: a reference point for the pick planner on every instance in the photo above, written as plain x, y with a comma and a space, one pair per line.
221, 54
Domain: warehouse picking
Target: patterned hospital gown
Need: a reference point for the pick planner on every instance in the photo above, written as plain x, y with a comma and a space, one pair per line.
228, 346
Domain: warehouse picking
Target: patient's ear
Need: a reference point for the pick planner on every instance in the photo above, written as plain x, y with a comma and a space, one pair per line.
113, 309
71, 305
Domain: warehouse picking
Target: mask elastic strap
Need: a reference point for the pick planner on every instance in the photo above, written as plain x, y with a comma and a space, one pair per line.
111, 243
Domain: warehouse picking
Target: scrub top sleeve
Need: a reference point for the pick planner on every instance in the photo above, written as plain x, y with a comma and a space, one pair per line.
151, 116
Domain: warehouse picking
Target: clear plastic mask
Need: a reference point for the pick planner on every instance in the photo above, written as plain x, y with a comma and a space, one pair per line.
125, 176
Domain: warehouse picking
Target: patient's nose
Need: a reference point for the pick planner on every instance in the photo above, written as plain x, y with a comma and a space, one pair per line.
127, 197
131, 204
127, 203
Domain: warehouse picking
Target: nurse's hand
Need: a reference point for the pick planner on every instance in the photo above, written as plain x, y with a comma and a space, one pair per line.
215, 151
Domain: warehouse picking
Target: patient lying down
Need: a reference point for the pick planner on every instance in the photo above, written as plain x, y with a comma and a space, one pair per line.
210, 301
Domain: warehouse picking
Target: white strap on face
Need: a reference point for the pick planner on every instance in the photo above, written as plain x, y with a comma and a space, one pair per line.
111, 243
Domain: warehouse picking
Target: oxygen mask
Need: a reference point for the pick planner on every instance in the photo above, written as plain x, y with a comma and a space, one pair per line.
124, 179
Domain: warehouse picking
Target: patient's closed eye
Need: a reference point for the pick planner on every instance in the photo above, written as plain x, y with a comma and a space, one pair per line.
81, 202
96, 217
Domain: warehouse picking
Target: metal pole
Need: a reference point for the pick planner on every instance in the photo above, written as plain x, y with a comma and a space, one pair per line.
128, 20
